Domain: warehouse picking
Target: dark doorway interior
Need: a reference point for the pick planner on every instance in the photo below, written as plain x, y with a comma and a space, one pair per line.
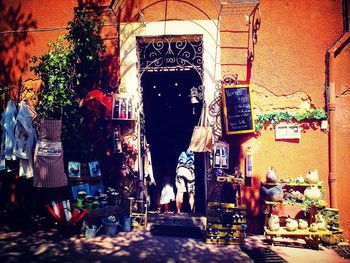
170, 118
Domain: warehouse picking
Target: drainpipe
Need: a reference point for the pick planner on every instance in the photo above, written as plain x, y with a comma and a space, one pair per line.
331, 53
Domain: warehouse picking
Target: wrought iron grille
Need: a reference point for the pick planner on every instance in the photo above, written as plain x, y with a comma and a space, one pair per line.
171, 53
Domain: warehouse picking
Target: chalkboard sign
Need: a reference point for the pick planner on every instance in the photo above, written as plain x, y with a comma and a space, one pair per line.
238, 111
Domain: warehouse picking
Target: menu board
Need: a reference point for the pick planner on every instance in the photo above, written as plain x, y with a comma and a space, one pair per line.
238, 111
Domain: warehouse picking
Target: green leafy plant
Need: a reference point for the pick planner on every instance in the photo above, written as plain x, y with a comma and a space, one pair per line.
88, 50
277, 116
70, 68
55, 70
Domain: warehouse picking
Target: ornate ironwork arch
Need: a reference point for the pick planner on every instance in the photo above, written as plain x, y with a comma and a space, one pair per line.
170, 53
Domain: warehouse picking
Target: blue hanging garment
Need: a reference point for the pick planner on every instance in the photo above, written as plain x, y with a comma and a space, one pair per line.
8, 122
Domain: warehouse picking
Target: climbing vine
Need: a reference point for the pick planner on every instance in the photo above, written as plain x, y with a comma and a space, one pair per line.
276, 116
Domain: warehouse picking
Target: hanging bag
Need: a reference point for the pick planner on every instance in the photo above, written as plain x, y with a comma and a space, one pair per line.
202, 136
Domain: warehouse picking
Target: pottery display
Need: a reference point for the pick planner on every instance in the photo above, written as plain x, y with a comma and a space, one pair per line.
300, 180
273, 223
312, 193
291, 224
302, 224
312, 177
271, 176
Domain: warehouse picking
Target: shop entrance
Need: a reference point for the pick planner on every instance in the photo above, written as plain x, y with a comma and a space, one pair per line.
170, 117
171, 69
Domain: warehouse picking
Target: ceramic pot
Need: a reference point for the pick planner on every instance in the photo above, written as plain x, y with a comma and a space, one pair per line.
312, 193
313, 227
274, 194
291, 224
273, 223
312, 177
302, 224
321, 222
271, 176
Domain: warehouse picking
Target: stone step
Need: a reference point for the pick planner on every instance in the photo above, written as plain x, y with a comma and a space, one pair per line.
174, 224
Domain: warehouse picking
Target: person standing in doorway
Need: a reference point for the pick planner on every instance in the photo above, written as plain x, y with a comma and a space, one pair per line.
185, 179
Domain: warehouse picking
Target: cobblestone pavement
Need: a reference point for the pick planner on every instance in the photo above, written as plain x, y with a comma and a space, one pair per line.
142, 246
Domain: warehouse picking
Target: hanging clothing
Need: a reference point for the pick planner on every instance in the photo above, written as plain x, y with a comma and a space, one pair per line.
8, 122
148, 168
25, 138
48, 156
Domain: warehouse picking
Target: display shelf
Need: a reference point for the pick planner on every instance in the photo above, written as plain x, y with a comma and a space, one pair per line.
292, 184
320, 203
229, 179
283, 232
226, 223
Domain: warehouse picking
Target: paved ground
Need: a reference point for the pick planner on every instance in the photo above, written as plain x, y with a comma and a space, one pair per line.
141, 246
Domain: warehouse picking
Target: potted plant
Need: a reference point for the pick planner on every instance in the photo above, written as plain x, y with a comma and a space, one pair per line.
57, 95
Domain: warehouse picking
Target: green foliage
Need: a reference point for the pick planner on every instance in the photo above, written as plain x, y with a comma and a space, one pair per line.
88, 50
277, 116
69, 69
55, 70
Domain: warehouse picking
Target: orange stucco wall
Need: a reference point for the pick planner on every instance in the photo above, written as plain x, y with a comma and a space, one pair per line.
288, 71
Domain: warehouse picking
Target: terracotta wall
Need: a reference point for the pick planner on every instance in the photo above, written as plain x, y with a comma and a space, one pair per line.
288, 71
342, 117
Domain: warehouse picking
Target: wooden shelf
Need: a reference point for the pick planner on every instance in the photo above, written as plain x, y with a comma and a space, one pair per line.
86, 179
226, 205
117, 119
299, 232
296, 203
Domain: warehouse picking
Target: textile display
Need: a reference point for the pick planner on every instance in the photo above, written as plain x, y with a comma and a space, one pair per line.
48, 156
202, 136
25, 138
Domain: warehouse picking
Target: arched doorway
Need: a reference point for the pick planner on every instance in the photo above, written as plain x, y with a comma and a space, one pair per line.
170, 67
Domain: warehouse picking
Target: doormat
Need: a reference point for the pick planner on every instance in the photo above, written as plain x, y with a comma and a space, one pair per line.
343, 250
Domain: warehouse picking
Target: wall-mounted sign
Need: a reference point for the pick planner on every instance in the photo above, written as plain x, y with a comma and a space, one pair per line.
238, 111
122, 107
221, 155
287, 131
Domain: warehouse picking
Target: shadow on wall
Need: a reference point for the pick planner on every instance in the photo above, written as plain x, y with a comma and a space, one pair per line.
255, 207
12, 61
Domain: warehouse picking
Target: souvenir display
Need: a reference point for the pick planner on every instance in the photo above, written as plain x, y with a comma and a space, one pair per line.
48, 157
